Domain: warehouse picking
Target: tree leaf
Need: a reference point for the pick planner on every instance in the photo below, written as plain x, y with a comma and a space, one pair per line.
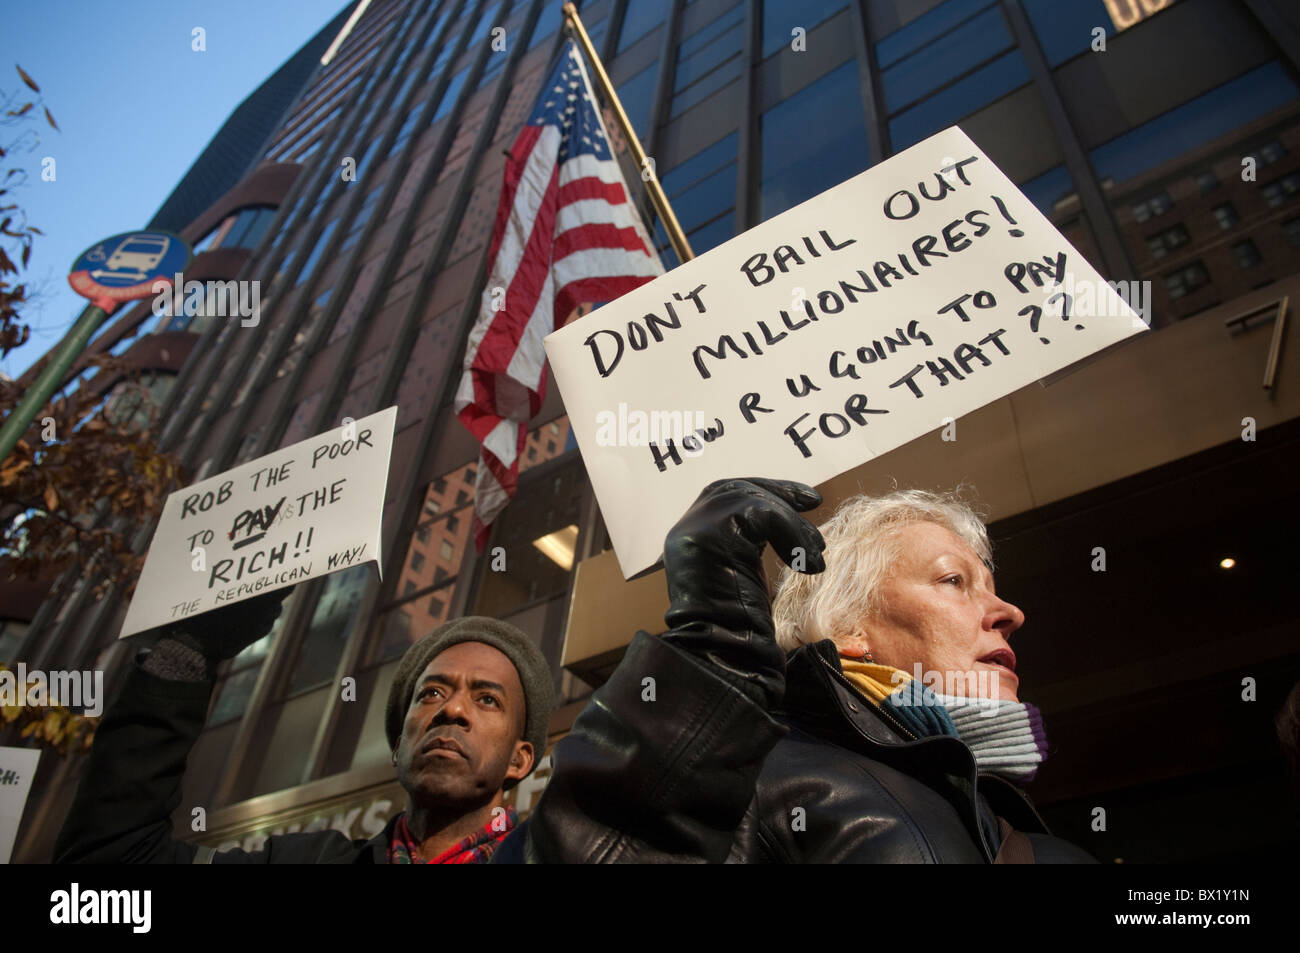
27, 79
50, 119
51, 498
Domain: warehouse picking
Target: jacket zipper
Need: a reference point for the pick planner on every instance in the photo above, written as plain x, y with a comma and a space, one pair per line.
896, 723
889, 717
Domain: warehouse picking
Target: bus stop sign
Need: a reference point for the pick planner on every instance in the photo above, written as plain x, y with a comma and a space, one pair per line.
129, 266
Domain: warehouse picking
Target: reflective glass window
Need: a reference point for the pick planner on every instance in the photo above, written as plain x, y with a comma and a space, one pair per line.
813, 140
781, 17
640, 18
1196, 122
637, 95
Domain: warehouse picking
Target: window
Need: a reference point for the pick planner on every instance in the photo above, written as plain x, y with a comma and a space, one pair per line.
1248, 255
1291, 228
908, 39
1196, 122
637, 95
544, 444
1186, 280
641, 17
1226, 215
1280, 191
1268, 153
831, 146
539, 532
548, 21
408, 126
703, 192
1207, 181
1163, 242
1065, 29
329, 630
781, 17
450, 96
708, 59
413, 616
363, 215
944, 59
1049, 189
317, 250
1157, 204
945, 65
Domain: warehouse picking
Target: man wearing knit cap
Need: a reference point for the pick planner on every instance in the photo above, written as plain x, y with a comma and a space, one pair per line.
466, 720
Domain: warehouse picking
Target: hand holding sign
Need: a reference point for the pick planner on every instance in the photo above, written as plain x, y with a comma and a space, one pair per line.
223, 633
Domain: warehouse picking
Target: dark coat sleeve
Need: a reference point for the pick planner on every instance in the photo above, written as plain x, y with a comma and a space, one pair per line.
132, 784
660, 766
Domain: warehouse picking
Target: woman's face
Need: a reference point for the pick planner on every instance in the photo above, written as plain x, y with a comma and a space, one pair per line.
939, 609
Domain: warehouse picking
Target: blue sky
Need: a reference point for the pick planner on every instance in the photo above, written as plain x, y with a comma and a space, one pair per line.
136, 105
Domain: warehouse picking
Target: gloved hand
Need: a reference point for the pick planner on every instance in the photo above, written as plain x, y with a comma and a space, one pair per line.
713, 558
190, 650
223, 633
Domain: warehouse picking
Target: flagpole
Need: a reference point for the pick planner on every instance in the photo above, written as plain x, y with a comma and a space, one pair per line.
657, 196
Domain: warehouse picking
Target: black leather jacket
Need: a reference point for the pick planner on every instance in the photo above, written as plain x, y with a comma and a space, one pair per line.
672, 761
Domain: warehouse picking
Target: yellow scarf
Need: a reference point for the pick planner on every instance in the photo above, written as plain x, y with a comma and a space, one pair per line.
874, 680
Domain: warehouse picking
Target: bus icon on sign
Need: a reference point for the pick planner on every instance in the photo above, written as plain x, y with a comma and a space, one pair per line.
139, 254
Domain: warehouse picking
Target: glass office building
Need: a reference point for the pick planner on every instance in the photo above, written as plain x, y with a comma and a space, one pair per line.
1162, 137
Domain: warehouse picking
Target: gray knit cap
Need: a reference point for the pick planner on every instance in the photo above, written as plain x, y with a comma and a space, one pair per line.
534, 673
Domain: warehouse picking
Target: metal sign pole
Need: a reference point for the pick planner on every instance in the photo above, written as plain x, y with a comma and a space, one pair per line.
20, 418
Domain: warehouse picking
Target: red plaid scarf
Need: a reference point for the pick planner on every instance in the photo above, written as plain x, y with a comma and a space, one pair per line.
477, 848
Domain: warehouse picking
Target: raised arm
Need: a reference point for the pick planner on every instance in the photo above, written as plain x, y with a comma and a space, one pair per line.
663, 762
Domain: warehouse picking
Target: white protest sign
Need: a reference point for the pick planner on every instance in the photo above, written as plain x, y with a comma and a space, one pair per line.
303, 511
17, 770
878, 311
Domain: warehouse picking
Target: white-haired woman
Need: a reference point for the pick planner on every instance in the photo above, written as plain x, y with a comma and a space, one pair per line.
891, 731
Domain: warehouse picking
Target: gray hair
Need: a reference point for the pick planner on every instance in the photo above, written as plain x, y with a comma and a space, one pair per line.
861, 544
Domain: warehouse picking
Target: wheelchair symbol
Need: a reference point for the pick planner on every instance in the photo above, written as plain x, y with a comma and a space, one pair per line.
96, 254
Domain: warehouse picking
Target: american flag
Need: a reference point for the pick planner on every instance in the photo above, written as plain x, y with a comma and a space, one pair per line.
565, 234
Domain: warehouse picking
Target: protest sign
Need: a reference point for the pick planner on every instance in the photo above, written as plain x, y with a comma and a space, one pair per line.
882, 309
17, 770
303, 511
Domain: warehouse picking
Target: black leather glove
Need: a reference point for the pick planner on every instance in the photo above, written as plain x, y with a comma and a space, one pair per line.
191, 649
713, 557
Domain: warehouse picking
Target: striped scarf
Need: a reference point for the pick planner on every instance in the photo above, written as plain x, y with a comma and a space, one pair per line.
477, 848
1006, 737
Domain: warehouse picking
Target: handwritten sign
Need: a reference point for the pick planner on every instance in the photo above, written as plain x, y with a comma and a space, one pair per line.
301, 512
17, 771
884, 308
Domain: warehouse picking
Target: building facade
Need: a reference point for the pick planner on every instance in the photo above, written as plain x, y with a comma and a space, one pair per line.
1162, 137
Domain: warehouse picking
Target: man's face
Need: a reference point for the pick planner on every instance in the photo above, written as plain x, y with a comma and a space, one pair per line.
939, 609
461, 738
